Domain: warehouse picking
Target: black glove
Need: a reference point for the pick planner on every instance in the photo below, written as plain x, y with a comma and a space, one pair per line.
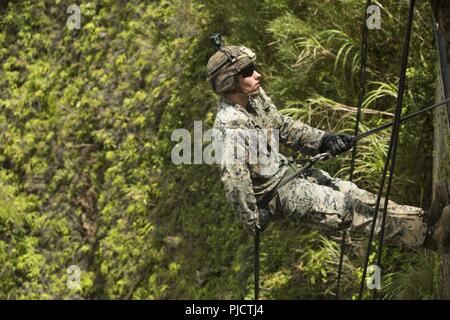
335, 143
263, 219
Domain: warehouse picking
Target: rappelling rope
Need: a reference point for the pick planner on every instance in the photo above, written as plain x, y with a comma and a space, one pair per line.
256, 270
362, 83
391, 155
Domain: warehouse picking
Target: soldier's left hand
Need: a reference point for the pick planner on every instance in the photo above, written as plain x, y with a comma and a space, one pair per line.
263, 219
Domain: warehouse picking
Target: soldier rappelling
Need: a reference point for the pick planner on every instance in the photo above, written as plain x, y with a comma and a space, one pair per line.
312, 197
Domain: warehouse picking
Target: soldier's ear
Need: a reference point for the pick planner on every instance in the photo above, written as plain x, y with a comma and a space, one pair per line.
213, 85
237, 82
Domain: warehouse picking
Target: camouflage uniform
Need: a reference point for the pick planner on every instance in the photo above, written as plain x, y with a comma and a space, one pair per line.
316, 197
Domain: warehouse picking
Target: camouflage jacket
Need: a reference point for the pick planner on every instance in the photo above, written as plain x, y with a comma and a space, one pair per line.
247, 181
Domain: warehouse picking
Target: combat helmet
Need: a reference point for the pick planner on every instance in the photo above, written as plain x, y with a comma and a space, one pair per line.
225, 64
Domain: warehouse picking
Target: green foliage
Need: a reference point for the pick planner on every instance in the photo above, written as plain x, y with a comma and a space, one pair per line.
86, 118
414, 279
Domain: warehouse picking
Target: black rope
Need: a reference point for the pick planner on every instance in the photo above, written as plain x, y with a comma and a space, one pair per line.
361, 95
396, 129
442, 54
256, 271
361, 87
391, 152
402, 119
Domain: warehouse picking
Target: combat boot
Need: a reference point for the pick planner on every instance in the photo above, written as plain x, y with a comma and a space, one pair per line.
440, 200
438, 236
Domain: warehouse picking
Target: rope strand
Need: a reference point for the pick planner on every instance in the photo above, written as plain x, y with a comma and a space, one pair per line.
256, 271
391, 157
357, 121
396, 130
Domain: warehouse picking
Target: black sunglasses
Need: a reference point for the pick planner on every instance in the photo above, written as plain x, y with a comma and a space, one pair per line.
247, 71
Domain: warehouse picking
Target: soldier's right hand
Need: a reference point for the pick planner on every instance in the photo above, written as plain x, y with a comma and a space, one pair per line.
336, 143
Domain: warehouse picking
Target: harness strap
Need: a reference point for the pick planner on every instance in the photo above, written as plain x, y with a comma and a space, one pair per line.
287, 177
291, 173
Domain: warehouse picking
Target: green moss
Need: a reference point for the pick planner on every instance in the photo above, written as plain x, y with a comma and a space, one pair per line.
85, 123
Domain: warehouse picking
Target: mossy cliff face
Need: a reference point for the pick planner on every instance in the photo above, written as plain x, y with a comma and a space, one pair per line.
86, 118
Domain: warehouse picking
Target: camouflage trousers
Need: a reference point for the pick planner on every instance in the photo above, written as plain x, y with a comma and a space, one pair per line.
318, 199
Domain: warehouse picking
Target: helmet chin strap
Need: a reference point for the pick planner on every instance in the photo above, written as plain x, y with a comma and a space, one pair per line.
251, 93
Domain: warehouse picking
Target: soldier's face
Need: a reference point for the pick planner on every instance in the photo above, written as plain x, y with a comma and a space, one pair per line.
250, 80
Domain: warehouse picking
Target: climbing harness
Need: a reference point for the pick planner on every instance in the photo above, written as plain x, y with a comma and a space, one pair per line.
294, 173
